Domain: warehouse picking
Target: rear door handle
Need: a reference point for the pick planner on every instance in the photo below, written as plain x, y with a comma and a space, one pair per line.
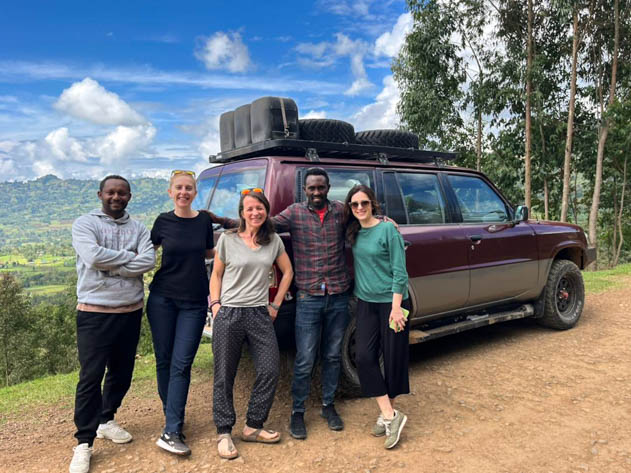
475, 238
407, 244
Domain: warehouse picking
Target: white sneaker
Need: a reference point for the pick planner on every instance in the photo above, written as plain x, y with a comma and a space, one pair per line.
80, 462
114, 432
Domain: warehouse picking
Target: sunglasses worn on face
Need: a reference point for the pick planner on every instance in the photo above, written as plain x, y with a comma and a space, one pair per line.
177, 172
356, 204
252, 189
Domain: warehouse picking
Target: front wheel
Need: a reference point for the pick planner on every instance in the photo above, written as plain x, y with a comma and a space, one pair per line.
563, 298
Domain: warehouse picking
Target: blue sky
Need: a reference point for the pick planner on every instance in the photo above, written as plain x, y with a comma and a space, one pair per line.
91, 88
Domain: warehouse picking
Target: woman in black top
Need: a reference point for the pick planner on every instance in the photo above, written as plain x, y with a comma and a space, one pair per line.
178, 302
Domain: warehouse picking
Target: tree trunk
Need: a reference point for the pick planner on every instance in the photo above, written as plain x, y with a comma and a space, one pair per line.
529, 54
570, 121
545, 198
602, 138
478, 147
620, 209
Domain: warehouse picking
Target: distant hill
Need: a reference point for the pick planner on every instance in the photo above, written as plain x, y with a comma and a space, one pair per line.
42, 211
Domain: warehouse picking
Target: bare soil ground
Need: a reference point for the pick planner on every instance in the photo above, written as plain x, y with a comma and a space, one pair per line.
508, 398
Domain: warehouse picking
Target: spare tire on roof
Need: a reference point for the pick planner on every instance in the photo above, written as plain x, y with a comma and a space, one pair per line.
394, 138
325, 129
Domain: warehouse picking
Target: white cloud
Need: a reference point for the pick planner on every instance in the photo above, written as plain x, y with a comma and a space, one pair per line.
358, 86
383, 112
325, 53
90, 101
123, 142
224, 51
64, 147
28, 71
389, 43
314, 114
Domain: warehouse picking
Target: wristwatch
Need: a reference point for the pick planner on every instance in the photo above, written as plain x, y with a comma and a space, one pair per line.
274, 306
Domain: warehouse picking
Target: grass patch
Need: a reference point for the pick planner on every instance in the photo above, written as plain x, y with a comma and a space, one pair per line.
599, 281
42, 290
60, 389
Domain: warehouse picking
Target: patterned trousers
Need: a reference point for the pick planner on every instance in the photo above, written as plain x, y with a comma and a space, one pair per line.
232, 327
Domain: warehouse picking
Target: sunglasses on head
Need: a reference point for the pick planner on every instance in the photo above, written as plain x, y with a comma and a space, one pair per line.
357, 203
252, 189
178, 172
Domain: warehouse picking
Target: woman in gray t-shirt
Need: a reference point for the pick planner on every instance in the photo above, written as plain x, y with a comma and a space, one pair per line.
239, 291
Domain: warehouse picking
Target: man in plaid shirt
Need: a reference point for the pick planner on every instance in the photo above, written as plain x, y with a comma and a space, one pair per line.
321, 275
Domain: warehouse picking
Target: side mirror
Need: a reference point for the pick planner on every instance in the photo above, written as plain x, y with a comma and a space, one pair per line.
521, 214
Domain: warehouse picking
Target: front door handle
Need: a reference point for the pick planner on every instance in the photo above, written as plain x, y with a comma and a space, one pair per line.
407, 244
476, 238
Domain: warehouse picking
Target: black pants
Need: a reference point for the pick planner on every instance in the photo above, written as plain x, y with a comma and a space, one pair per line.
232, 327
104, 340
374, 336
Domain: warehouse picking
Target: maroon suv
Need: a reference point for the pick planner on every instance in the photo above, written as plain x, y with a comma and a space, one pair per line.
472, 258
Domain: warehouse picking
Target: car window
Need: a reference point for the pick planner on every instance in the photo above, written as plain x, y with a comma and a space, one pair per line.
423, 198
395, 209
342, 180
225, 200
204, 188
477, 200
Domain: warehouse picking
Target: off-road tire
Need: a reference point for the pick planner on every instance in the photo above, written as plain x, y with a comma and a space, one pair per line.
563, 298
324, 129
394, 138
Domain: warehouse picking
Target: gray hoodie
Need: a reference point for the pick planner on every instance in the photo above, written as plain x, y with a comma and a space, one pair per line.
112, 255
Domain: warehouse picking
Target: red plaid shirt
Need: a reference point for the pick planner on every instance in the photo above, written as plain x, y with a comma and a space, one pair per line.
319, 260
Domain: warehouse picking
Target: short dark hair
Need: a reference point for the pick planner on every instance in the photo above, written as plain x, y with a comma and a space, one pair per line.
113, 176
315, 172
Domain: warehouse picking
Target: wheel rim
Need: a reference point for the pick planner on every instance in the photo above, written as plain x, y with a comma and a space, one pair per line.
565, 295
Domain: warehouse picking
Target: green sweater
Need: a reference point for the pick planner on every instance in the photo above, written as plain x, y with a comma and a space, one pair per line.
379, 262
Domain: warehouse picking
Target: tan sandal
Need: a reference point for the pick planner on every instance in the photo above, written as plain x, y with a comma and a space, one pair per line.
231, 448
257, 437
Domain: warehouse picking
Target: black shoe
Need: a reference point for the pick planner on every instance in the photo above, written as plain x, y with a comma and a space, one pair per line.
297, 427
173, 442
332, 417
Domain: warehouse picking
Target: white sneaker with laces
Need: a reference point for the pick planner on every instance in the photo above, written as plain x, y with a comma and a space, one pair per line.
114, 432
80, 462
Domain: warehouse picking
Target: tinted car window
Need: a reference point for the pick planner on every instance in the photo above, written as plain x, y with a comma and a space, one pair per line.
477, 200
225, 200
393, 199
423, 199
342, 180
204, 188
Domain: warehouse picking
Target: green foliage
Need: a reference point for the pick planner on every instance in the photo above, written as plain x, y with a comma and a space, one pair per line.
41, 212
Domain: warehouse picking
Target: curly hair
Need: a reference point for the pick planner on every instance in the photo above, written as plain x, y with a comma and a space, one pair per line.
351, 222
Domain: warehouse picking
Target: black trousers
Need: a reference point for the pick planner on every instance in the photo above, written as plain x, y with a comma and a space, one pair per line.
231, 328
104, 341
373, 337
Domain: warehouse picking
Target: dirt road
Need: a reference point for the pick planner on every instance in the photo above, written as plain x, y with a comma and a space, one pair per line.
508, 398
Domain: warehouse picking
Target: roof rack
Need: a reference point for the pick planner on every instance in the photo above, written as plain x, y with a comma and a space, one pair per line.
324, 149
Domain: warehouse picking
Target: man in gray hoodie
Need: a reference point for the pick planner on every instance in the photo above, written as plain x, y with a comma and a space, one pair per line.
113, 252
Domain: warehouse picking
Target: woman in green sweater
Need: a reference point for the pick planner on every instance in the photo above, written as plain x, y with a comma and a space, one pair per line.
381, 288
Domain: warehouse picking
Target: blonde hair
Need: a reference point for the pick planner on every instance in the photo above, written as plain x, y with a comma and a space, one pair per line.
173, 176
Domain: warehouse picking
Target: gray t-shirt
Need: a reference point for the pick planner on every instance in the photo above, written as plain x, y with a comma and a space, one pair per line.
245, 280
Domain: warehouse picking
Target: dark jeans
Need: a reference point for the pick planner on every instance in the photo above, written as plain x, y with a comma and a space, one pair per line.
104, 341
320, 324
176, 329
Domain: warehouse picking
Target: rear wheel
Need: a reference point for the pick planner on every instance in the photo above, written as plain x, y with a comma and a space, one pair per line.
563, 298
